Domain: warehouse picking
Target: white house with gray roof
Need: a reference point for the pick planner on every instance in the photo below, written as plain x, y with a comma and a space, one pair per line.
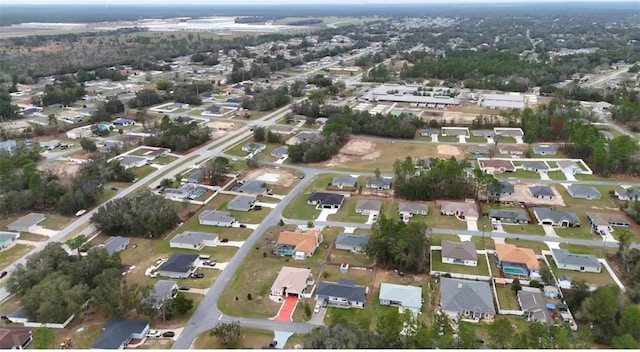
627, 193
252, 187
403, 296
382, 184
533, 304
548, 216
161, 292
216, 218
344, 293
129, 161
544, 149
368, 206
407, 210
344, 182
252, 147
535, 166
194, 240
466, 299
242, 203
578, 262
461, 253
114, 244
569, 167
27, 223
352, 242
542, 192
584, 192
511, 216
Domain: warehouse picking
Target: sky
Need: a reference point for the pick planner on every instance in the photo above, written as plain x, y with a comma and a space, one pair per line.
274, 2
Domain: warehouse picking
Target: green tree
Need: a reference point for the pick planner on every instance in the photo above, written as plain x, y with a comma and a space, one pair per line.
467, 338
226, 332
77, 242
624, 342
259, 134
546, 275
44, 338
601, 310
88, 145
501, 333
390, 324
181, 304
630, 321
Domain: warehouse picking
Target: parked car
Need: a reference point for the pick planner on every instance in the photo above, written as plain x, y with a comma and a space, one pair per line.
114, 188
257, 207
209, 263
3, 274
301, 177
169, 334
154, 333
196, 275
325, 303
184, 288
243, 226
224, 240
316, 310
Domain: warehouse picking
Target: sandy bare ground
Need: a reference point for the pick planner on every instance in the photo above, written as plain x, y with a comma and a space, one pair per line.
62, 170
521, 194
285, 178
449, 150
358, 147
221, 125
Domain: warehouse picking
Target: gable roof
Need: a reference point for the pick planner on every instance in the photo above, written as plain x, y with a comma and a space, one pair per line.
192, 237
214, 215
352, 240
369, 204
383, 182
253, 186
467, 208
344, 180
544, 148
584, 191
510, 253
459, 250
179, 263
535, 165
326, 198
241, 202
507, 187
160, 291
303, 241
28, 220
497, 164
509, 214
8, 236
464, 295
568, 165
562, 256
405, 207
118, 331
410, 296
534, 303
346, 289
555, 215
11, 337
601, 219
115, 243
542, 191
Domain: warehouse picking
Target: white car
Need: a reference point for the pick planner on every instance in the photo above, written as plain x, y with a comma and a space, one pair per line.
316, 310
154, 333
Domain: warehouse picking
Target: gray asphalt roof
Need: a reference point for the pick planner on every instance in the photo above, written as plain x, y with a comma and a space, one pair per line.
118, 331
556, 215
191, 237
535, 165
509, 214
352, 240
369, 204
562, 256
412, 207
253, 186
28, 220
160, 291
584, 191
345, 180
464, 295
326, 198
214, 215
534, 303
179, 263
541, 191
410, 296
241, 202
343, 289
114, 243
459, 250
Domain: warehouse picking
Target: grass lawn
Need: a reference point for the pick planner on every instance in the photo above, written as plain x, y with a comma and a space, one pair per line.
506, 298
525, 174
141, 151
249, 217
603, 278
106, 194
361, 277
210, 275
55, 222
579, 249
442, 138
353, 259
588, 177
604, 202
232, 233
552, 164
535, 245
556, 175
347, 212
437, 220
437, 265
143, 171
436, 239
195, 112
576, 232
528, 229
10, 305
26, 236
476, 139
12, 254
365, 318
249, 338
387, 153
164, 160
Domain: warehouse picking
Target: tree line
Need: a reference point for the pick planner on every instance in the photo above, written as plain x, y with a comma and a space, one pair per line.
267, 99
178, 136
399, 246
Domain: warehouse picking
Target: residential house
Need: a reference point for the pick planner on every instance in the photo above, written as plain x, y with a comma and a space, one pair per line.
156, 153
344, 293
344, 182
382, 184
515, 216
517, 261
216, 218
298, 244
535, 166
578, 262
511, 150
161, 292
194, 240
462, 253
280, 152
186, 191
122, 122
117, 333
8, 145
429, 132
627, 193
178, 266
407, 210
542, 192
7, 239
80, 132
323, 200
403, 296
569, 167
584, 192
493, 166
113, 244
303, 137
482, 133
15, 338
196, 176
467, 299
368, 206
544, 149
50, 145
129, 161
506, 189
242, 203
253, 147
533, 304
463, 210
352, 242
508, 131
605, 222
27, 223
290, 282
251, 187
559, 218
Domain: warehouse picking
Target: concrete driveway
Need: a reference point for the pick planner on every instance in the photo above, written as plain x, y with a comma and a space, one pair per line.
266, 205
318, 318
231, 244
372, 218
462, 139
549, 231
325, 213
44, 232
569, 176
472, 225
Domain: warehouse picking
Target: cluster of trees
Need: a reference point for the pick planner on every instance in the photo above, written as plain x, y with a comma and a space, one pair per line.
205, 59
334, 135
104, 111
8, 110
268, 99
389, 125
100, 73
399, 246
190, 94
379, 73
179, 136
314, 109
147, 97
24, 187
146, 215
64, 92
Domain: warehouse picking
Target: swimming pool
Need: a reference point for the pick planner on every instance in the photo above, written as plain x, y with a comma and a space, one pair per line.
514, 271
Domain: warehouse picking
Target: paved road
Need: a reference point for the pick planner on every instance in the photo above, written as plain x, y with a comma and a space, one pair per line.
603, 117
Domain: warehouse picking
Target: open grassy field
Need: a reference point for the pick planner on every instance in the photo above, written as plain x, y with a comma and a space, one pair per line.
15, 252
535, 245
525, 174
164, 160
249, 339
507, 299
438, 265
26, 236
298, 207
56, 222
603, 278
143, 171
529, 229
347, 212
556, 175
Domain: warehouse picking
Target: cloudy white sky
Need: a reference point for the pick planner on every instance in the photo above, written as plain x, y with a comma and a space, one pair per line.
250, 2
